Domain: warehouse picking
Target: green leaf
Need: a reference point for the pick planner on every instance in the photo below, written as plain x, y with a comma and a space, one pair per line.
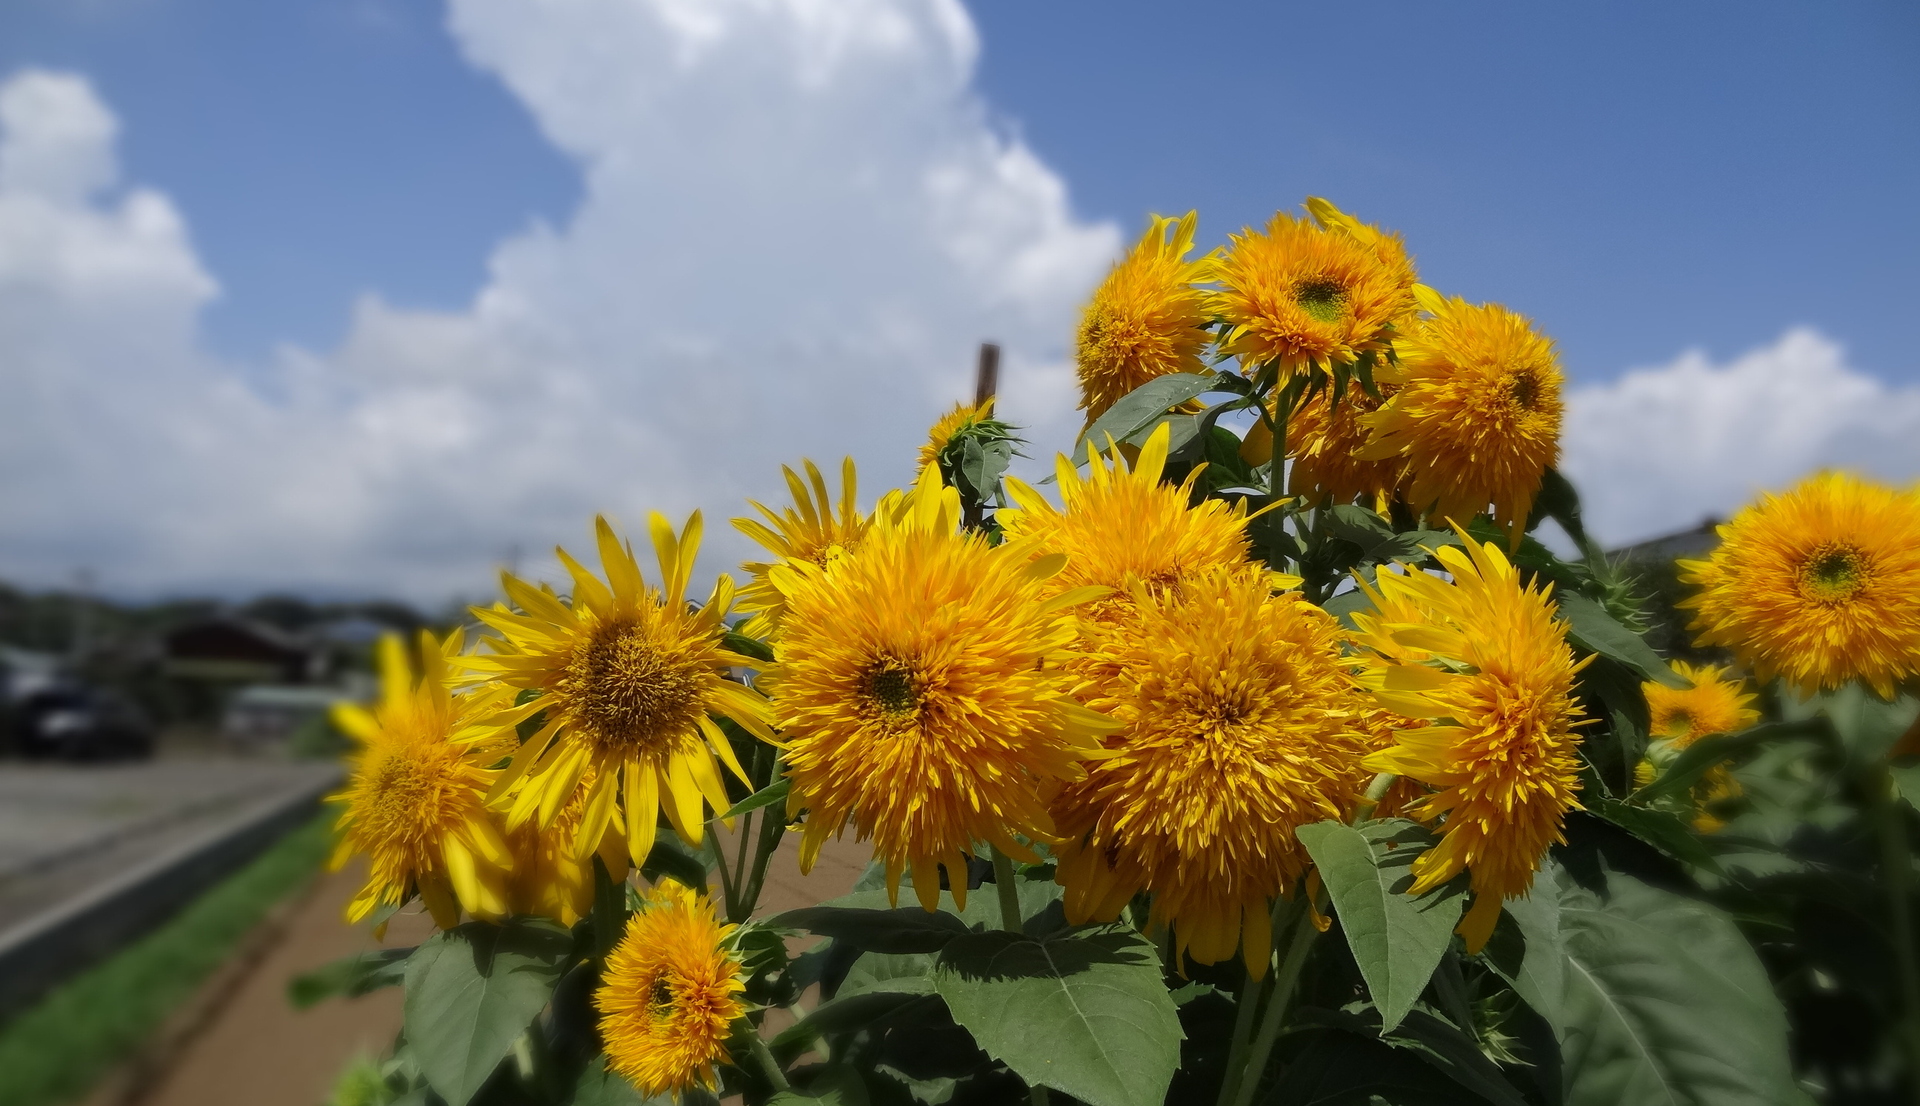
671, 858
1906, 780
599, 1087
471, 991
1085, 1012
1442, 1046
1664, 1002
1593, 629
767, 796
747, 646
842, 1015
837, 1086
1343, 606
907, 929
1396, 939
1558, 501
1141, 408
1538, 972
349, 977
905, 973
1866, 724
1662, 829
1336, 1068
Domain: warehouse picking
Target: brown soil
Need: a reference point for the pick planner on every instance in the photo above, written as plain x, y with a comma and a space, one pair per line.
248, 1046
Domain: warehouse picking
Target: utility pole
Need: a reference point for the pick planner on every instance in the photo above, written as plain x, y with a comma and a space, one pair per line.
986, 379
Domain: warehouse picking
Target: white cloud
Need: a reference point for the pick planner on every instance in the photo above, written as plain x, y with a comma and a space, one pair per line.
1659, 449
797, 224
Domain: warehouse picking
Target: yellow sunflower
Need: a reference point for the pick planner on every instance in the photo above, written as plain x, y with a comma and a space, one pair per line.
416, 797
1145, 320
918, 695
1324, 444
941, 435
670, 994
1307, 293
1122, 524
1237, 716
1713, 702
549, 878
628, 677
1484, 661
1475, 417
1818, 586
810, 530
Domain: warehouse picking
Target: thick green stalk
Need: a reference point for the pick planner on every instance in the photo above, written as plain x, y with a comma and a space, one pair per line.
773, 826
1376, 791
1009, 891
1248, 1004
768, 1064
1298, 944
1896, 864
727, 899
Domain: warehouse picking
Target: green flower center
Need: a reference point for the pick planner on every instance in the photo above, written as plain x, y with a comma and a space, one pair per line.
893, 688
1834, 573
1321, 299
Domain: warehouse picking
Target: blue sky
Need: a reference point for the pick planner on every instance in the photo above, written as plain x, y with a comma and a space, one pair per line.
1642, 177
350, 295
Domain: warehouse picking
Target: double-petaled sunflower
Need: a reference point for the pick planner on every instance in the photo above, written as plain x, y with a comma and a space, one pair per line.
1324, 442
950, 425
628, 677
1147, 319
811, 530
1713, 702
1123, 525
1475, 417
1818, 586
1237, 720
1306, 293
1483, 660
919, 693
670, 994
549, 877
416, 797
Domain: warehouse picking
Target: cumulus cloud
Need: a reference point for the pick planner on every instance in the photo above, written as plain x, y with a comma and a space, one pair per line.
1660, 449
797, 224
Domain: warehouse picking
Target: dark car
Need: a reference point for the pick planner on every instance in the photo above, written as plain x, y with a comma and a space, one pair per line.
75, 722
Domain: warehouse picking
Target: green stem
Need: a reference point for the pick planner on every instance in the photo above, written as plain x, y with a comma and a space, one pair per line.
1376, 791
1896, 864
773, 826
720, 863
1280, 919
768, 1064
1003, 882
1298, 945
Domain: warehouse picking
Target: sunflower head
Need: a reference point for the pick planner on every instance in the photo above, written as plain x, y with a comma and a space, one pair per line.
1324, 441
1236, 717
1818, 586
918, 693
627, 677
1147, 319
1307, 293
953, 424
1122, 525
415, 797
811, 530
1475, 417
670, 994
1479, 666
1712, 703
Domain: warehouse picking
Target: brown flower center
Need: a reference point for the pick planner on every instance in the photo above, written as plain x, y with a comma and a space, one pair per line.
634, 686
894, 688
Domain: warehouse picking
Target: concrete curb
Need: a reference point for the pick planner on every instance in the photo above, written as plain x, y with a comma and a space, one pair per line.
42, 952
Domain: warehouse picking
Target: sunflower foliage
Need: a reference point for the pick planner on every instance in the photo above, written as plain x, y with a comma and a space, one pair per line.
1290, 743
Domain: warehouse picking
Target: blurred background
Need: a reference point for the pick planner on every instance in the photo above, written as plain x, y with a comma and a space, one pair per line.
314, 314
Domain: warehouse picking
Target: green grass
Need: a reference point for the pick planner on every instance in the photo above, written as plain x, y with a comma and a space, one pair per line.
54, 1052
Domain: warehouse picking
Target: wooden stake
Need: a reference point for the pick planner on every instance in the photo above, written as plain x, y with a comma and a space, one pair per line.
986, 381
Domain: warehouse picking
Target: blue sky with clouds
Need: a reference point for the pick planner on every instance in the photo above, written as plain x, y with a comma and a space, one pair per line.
364, 293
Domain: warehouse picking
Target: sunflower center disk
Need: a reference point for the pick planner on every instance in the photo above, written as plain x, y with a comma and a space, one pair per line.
893, 688
633, 691
1833, 574
1321, 299
1524, 390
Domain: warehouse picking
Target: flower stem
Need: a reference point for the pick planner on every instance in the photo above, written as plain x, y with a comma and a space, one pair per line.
1003, 882
1376, 791
768, 1064
1298, 944
1896, 866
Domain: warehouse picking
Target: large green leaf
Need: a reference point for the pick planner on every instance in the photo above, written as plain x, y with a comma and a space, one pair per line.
1141, 407
1697, 759
1334, 1068
836, 1086
1662, 1000
907, 929
599, 1087
906, 973
1906, 780
1396, 939
349, 978
1866, 724
1440, 1046
1596, 631
1663, 829
471, 991
1085, 1012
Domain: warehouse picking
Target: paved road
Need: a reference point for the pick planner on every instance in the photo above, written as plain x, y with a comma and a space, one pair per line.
64, 828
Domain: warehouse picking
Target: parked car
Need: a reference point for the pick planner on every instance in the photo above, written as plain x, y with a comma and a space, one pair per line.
75, 722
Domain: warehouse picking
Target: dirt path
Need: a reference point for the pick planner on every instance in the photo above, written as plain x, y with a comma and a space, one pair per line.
255, 1049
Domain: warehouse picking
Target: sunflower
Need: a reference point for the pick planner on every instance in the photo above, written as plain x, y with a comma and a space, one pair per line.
1121, 525
1476, 414
1237, 717
810, 530
1324, 444
415, 799
1484, 661
1302, 293
549, 878
1818, 586
627, 676
1711, 703
670, 994
918, 696
955, 422
1145, 320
